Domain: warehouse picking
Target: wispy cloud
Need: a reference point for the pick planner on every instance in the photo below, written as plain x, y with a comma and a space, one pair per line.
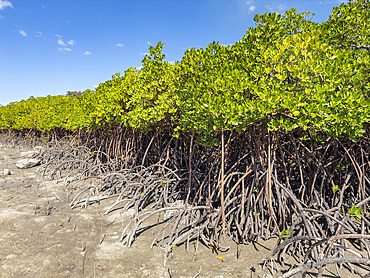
71, 42
282, 7
144, 53
120, 45
86, 53
276, 8
95, 86
4, 4
38, 34
42, 6
251, 7
171, 62
64, 49
23, 33
60, 41
148, 43
269, 7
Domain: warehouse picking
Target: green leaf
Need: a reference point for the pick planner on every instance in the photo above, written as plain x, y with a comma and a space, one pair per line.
284, 233
355, 211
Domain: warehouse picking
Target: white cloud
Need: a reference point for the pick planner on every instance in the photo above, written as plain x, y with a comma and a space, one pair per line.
60, 41
275, 8
22, 32
38, 34
282, 7
144, 53
42, 6
71, 42
269, 7
120, 45
249, 2
95, 86
87, 53
148, 43
171, 62
4, 4
252, 8
64, 49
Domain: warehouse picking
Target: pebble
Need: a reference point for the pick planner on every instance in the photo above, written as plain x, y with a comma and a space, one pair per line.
29, 154
5, 172
27, 163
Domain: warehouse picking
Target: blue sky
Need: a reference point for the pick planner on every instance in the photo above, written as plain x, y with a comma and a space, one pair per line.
49, 47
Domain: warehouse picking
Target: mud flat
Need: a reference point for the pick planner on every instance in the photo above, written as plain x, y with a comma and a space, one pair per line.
41, 236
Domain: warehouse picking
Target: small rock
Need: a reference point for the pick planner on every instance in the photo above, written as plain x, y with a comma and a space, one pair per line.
6, 172
29, 154
27, 163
